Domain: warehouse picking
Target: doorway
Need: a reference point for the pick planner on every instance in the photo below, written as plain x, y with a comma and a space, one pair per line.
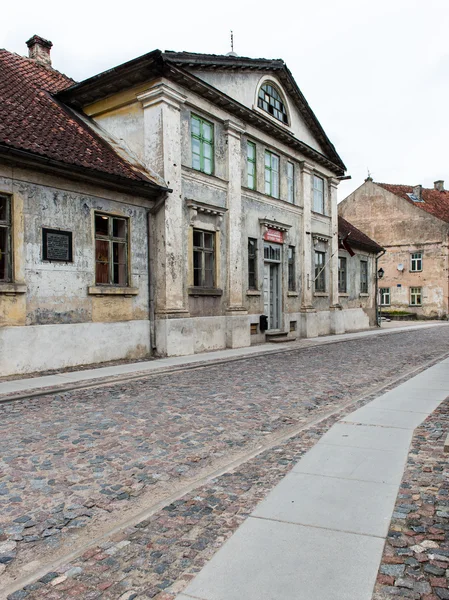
272, 285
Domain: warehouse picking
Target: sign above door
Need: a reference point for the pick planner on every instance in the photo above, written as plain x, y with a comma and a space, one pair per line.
273, 235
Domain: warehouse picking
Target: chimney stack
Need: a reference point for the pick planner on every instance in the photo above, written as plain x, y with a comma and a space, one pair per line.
417, 191
439, 185
39, 50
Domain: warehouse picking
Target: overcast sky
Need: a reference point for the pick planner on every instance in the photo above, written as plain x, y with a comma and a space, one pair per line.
374, 73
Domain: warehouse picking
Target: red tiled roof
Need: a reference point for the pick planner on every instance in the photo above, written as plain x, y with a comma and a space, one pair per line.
436, 203
355, 237
31, 120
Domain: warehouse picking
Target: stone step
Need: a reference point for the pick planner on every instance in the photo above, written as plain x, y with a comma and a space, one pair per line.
281, 340
275, 334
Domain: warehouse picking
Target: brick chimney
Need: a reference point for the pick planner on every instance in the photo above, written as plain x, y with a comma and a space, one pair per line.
39, 50
417, 191
439, 185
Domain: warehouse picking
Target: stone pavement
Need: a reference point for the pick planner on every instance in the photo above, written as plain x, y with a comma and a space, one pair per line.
321, 530
71, 379
64, 471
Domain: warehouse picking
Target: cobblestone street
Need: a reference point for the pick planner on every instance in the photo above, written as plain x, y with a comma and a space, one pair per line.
74, 465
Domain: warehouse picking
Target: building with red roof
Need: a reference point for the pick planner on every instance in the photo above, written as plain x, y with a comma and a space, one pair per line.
412, 224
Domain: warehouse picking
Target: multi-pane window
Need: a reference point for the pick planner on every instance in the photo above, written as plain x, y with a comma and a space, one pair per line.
203, 258
415, 296
291, 269
5, 238
202, 145
363, 277
252, 264
385, 298
271, 174
251, 165
318, 194
290, 182
272, 252
342, 288
416, 261
320, 272
271, 102
111, 250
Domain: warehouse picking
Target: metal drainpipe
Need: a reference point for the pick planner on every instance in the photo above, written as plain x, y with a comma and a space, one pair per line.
151, 283
377, 305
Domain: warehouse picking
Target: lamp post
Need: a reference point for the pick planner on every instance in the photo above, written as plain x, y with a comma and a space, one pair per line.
380, 274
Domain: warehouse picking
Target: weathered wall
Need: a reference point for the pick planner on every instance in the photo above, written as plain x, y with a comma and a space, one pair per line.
401, 229
353, 298
57, 293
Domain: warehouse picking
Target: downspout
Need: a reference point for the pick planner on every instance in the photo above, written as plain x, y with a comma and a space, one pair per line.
151, 281
376, 305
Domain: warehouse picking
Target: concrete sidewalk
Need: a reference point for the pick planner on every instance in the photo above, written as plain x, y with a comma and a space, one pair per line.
320, 533
74, 379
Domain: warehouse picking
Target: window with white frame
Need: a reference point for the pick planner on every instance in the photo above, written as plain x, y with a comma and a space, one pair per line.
318, 194
416, 262
290, 182
385, 298
5, 239
363, 276
342, 286
271, 174
111, 250
251, 164
320, 271
415, 296
203, 258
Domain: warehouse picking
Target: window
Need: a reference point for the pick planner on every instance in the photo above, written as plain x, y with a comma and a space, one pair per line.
363, 277
290, 182
111, 250
318, 194
252, 264
320, 272
342, 288
291, 269
415, 296
385, 296
272, 252
416, 262
5, 239
251, 165
271, 174
203, 258
271, 102
202, 145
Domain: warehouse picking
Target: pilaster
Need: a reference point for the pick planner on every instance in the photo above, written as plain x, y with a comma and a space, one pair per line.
307, 271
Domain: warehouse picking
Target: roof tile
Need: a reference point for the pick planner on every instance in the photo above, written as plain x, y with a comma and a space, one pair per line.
356, 237
434, 202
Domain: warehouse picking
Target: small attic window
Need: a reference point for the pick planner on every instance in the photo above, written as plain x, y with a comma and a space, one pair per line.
271, 102
415, 198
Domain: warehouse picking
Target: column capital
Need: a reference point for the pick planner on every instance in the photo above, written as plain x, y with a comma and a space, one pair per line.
307, 167
334, 182
162, 92
234, 128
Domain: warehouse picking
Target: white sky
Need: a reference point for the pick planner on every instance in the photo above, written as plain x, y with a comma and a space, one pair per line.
375, 73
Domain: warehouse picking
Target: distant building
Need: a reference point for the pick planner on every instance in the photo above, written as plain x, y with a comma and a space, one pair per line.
174, 204
412, 224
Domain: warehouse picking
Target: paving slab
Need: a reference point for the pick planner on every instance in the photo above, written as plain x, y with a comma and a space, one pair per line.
411, 400
363, 464
297, 563
367, 436
369, 415
323, 502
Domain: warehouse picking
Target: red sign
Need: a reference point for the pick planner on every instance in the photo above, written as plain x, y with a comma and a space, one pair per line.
274, 235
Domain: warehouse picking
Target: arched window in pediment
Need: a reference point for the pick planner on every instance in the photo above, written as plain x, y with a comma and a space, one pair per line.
270, 101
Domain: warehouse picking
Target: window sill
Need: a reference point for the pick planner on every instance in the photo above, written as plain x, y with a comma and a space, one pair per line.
253, 293
363, 295
343, 294
13, 288
321, 294
292, 294
415, 305
201, 291
110, 290
320, 214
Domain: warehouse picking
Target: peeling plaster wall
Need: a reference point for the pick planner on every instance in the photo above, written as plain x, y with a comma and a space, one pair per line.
57, 293
353, 299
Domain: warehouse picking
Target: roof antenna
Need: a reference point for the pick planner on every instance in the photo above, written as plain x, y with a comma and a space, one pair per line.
369, 178
232, 53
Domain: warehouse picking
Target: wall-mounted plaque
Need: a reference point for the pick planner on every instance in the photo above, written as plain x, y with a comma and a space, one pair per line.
57, 245
274, 235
